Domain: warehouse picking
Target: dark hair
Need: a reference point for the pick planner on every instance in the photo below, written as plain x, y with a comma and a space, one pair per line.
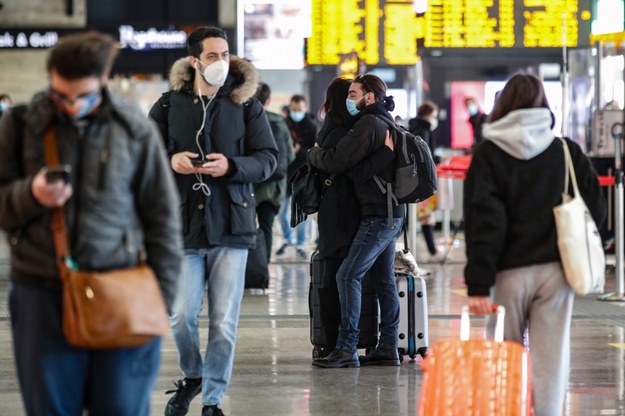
521, 91
373, 83
426, 108
80, 55
195, 38
334, 104
297, 98
263, 93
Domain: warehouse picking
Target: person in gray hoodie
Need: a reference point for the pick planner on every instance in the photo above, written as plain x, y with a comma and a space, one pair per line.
515, 179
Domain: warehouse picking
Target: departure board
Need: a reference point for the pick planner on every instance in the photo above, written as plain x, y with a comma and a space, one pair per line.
387, 31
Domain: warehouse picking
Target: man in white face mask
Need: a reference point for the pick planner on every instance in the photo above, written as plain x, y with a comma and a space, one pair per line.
219, 144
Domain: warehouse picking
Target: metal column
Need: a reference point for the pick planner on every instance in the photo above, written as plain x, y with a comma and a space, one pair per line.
619, 294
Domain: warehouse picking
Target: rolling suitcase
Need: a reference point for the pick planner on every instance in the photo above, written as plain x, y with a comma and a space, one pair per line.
369, 311
470, 377
413, 318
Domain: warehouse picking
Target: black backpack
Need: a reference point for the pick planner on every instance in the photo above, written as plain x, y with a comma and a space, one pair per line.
414, 169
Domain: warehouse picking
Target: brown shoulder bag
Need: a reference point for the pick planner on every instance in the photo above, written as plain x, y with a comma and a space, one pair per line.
120, 308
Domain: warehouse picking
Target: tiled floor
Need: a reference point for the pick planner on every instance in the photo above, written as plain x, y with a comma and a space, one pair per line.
273, 376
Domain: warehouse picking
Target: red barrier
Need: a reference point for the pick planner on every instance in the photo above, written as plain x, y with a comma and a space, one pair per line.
458, 166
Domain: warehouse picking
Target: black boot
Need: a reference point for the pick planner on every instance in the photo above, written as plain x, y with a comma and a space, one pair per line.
338, 359
381, 356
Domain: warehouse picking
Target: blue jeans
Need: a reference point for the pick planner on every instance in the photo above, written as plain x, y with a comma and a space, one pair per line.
285, 223
58, 379
220, 272
373, 248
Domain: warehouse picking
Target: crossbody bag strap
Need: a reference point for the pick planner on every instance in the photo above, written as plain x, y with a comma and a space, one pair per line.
569, 169
57, 222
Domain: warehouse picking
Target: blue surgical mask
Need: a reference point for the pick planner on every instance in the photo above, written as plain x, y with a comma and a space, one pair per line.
3, 106
472, 108
89, 103
297, 116
352, 106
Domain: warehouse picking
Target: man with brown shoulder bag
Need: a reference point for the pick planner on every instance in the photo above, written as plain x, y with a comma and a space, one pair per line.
90, 209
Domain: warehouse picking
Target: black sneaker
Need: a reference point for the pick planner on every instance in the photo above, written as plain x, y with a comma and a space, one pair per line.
212, 411
301, 253
282, 249
186, 390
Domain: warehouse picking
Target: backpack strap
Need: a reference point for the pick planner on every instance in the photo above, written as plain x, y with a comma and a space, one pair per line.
165, 104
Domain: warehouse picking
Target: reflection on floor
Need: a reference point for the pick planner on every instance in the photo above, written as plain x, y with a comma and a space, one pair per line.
273, 376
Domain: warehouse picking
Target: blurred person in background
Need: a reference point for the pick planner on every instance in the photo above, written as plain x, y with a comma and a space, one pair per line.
220, 144
422, 126
121, 207
514, 181
303, 128
5, 103
477, 118
269, 194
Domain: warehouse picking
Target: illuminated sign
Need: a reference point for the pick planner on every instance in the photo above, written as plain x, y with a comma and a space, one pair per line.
140, 40
387, 31
380, 31
129, 37
28, 39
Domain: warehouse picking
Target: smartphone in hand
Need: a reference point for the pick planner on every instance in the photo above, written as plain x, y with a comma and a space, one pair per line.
58, 173
198, 161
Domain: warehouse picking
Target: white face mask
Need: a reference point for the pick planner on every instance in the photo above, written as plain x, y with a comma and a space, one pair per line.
433, 124
216, 73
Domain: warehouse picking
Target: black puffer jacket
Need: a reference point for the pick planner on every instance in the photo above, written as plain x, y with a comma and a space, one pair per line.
360, 143
227, 217
124, 197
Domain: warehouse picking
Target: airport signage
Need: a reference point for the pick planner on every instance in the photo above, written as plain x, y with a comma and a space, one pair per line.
145, 40
34, 39
389, 31
129, 37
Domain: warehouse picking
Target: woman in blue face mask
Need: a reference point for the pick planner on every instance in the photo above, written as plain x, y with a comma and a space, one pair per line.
373, 245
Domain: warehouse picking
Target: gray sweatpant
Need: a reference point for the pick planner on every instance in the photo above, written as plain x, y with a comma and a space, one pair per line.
539, 298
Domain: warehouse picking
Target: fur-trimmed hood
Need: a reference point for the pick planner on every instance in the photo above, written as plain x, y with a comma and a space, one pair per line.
241, 84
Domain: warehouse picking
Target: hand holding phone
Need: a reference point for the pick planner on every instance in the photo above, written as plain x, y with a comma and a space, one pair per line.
58, 173
198, 161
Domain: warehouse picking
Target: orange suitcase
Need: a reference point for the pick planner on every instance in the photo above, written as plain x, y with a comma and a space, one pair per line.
471, 377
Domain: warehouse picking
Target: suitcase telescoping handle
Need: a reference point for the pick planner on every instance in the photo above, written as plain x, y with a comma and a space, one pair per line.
465, 322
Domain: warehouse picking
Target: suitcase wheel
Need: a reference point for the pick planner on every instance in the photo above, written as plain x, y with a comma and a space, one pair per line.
317, 352
422, 351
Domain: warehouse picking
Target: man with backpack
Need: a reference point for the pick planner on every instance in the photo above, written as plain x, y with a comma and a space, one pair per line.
373, 246
219, 144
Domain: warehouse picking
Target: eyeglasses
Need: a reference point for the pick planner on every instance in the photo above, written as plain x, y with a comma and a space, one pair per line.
63, 99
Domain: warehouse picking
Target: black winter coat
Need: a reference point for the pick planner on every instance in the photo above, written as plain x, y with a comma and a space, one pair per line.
226, 217
508, 208
358, 145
